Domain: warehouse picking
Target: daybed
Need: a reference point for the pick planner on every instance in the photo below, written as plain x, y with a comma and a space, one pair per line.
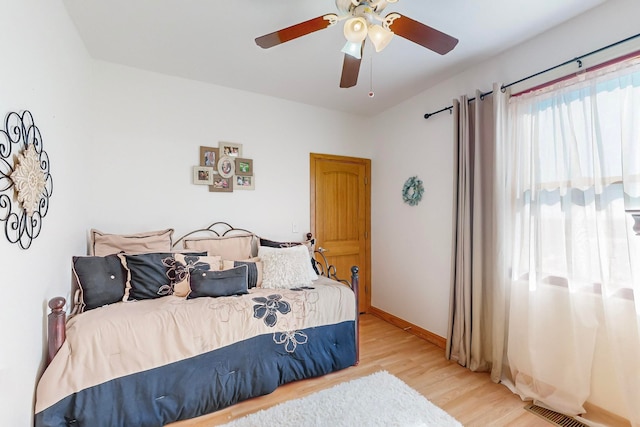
197, 341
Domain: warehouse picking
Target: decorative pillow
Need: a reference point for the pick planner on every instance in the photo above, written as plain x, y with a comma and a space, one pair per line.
149, 275
107, 244
254, 270
223, 283
228, 247
185, 265
101, 280
285, 268
309, 244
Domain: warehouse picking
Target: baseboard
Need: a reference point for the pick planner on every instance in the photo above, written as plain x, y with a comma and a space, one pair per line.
409, 327
603, 417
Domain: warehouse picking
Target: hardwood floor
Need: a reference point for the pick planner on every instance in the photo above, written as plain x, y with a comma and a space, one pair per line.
470, 397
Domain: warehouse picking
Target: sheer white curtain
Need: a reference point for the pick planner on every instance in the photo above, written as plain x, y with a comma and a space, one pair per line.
571, 158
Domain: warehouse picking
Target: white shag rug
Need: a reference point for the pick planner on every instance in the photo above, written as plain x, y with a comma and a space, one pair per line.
379, 399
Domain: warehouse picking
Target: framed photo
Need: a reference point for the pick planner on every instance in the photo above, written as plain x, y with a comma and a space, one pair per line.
244, 182
244, 167
230, 149
221, 185
202, 175
209, 157
226, 166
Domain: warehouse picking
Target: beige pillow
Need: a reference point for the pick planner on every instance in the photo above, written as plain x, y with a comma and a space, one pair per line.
103, 244
185, 264
228, 247
254, 272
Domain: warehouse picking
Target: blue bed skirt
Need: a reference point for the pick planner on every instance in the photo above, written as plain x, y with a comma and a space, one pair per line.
208, 382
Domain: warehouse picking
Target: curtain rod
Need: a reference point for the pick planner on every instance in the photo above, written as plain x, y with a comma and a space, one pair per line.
577, 59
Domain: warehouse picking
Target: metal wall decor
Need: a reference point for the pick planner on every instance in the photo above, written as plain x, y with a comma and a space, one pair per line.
25, 179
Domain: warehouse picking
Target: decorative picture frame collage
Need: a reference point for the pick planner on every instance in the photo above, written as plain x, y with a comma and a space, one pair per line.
224, 169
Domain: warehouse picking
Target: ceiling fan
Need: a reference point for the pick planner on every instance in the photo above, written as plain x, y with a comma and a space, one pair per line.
363, 18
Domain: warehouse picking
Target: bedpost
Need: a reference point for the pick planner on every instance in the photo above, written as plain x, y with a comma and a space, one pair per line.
355, 286
57, 319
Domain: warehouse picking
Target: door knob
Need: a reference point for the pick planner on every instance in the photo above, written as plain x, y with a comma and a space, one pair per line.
322, 250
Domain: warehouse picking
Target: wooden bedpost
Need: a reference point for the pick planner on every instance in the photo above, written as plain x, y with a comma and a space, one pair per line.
57, 320
355, 286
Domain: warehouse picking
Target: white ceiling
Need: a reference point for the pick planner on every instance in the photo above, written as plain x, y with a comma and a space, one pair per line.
213, 41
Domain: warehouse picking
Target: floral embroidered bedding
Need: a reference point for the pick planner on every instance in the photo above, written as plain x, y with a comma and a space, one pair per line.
155, 361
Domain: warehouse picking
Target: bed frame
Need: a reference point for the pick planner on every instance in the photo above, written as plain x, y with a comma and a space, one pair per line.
57, 318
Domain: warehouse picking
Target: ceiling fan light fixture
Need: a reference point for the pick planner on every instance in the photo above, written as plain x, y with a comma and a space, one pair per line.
362, 19
353, 49
380, 37
355, 30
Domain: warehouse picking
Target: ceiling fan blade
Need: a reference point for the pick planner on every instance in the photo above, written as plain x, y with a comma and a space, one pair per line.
421, 34
350, 71
295, 31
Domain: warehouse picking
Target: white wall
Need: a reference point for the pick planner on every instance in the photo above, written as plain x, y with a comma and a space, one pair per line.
44, 69
412, 245
147, 131
121, 144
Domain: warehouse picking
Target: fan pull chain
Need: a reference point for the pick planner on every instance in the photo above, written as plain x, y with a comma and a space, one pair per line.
371, 92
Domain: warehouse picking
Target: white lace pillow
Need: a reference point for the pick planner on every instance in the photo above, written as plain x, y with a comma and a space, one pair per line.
285, 268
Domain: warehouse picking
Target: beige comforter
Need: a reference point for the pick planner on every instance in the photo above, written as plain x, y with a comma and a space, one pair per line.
129, 337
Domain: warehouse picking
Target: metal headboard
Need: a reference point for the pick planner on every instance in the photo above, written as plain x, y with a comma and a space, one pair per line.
221, 229
218, 229
325, 269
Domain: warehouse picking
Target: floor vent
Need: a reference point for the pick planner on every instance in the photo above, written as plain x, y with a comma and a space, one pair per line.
554, 417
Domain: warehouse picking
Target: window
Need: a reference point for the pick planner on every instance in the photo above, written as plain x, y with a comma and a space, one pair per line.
576, 168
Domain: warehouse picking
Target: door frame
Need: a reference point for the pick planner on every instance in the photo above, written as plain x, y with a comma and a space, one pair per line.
312, 178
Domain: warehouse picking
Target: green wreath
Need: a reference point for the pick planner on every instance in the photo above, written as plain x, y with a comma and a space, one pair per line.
412, 191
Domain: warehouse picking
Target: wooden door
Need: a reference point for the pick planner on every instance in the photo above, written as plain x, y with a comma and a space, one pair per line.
341, 215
